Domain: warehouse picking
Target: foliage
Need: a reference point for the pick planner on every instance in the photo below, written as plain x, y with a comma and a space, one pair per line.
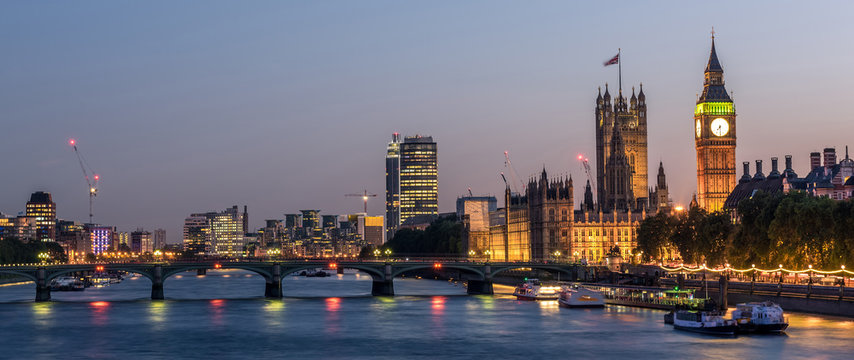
792, 229
614, 251
14, 251
444, 236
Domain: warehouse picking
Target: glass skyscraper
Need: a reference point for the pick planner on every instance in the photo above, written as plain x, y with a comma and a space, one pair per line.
392, 186
418, 177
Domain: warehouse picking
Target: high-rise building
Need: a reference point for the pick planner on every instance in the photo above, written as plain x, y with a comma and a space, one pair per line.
715, 138
197, 230
141, 242
227, 233
418, 177
473, 212
121, 238
101, 238
159, 239
392, 185
42, 208
631, 119
373, 231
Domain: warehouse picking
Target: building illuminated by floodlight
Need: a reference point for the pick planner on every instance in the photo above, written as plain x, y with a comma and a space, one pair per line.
419, 182
43, 209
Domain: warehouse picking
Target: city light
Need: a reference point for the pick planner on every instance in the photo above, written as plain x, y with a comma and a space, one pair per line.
217, 266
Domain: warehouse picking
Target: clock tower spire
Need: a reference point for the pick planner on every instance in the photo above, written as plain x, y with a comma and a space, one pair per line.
714, 126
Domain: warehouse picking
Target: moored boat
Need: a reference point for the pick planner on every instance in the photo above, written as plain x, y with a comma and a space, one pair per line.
704, 322
66, 283
532, 289
760, 317
580, 297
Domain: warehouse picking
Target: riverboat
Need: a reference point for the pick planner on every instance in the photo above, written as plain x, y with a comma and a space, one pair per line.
580, 297
760, 317
66, 283
532, 290
704, 322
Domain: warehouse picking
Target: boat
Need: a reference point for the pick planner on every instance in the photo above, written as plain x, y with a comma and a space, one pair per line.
759, 317
704, 322
532, 289
66, 283
580, 297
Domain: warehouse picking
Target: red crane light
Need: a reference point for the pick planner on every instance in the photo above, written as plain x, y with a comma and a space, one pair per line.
580, 157
97, 177
72, 142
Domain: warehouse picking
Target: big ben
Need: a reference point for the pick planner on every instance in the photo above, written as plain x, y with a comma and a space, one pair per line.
714, 131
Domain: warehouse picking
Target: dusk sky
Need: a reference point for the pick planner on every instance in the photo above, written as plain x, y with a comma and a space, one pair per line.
186, 107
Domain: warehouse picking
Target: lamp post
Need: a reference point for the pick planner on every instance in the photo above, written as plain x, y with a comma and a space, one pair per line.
44, 257
377, 253
388, 254
557, 255
488, 254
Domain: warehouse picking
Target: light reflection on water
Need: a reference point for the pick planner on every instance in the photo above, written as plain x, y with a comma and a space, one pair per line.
227, 317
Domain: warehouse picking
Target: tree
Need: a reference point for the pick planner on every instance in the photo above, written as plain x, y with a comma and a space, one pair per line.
654, 236
444, 236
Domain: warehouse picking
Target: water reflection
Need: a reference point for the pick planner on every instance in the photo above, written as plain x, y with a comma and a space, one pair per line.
333, 325
99, 311
217, 307
157, 312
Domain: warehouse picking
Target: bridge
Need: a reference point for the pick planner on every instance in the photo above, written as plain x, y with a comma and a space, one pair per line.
478, 275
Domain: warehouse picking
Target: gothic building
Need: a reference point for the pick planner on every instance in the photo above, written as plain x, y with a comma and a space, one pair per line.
714, 125
629, 117
659, 198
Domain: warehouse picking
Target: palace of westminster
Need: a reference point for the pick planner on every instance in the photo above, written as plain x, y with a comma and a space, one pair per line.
541, 222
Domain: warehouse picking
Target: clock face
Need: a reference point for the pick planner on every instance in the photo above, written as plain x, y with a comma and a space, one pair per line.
720, 127
699, 128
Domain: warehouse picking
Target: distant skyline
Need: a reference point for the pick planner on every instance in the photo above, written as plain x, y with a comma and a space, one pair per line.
284, 106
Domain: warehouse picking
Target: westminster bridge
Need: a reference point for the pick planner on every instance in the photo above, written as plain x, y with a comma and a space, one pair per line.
479, 275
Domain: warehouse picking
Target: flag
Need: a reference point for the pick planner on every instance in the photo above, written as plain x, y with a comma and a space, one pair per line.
614, 60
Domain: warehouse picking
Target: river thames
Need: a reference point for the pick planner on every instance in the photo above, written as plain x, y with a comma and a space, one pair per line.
223, 315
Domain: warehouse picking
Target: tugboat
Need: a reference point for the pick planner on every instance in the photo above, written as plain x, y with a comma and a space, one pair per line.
532, 289
760, 317
580, 297
704, 322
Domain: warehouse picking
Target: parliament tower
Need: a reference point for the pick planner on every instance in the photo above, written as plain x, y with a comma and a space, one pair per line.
714, 130
628, 116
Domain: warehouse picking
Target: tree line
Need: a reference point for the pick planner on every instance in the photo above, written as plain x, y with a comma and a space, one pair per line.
793, 229
15, 251
444, 236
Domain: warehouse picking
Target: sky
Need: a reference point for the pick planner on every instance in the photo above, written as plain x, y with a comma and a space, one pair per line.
185, 107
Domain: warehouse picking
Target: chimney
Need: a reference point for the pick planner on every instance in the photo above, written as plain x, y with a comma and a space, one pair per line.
746, 176
815, 160
759, 175
788, 162
829, 157
774, 173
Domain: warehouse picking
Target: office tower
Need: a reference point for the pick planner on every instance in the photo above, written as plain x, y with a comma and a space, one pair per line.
197, 230
141, 242
418, 177
101, 238
159, 239
42, 208
392, 185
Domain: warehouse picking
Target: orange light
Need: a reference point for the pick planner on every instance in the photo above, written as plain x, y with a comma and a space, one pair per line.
333, 266
99, 304
99, 268
217, 266
437, 266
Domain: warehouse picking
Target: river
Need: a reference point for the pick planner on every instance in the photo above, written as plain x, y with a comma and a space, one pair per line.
223, 316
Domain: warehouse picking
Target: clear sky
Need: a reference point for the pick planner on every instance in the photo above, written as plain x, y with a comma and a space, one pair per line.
196, 106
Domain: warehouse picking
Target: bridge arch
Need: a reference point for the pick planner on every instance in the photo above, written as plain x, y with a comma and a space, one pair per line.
375, 272
467, 269
57, 273
31, 277
551, 268
169, 271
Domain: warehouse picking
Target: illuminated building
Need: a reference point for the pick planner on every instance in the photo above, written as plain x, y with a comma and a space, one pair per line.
473, 212
159, 239
630, 121
121, 238
714, 130
141, 242
373, 230
392, 185
197, 240
227, 233
595, 233
537, 225
101, 238
42, 208
418, 177
74, 239
659, 198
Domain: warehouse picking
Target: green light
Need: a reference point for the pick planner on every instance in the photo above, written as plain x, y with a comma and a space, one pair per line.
715, 108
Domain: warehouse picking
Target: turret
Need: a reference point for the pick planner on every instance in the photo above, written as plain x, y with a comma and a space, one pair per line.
634, 100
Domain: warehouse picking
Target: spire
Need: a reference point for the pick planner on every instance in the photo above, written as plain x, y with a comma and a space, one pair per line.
714, 65
599, 98
713, 85
607, 94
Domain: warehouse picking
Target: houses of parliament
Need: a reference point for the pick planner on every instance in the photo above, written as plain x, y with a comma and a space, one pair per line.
541, 223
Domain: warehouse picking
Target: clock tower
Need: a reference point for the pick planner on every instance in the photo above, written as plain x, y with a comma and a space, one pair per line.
714, 134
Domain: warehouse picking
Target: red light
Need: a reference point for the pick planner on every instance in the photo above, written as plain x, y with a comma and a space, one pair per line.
99, 304
97, 177
217, 266
333, 266
437, 266
580, 157
72, 142
99, 268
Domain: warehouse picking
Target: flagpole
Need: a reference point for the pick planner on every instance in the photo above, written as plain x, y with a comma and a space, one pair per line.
620, 67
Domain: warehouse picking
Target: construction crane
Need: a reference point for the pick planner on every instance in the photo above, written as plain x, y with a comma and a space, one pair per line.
91, 183
364, 195
586, 166
513, 175
470, 194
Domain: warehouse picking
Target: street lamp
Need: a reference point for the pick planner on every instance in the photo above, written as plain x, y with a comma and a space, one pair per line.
488, 254
387, 252
44, 257
557, 255
377, 253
